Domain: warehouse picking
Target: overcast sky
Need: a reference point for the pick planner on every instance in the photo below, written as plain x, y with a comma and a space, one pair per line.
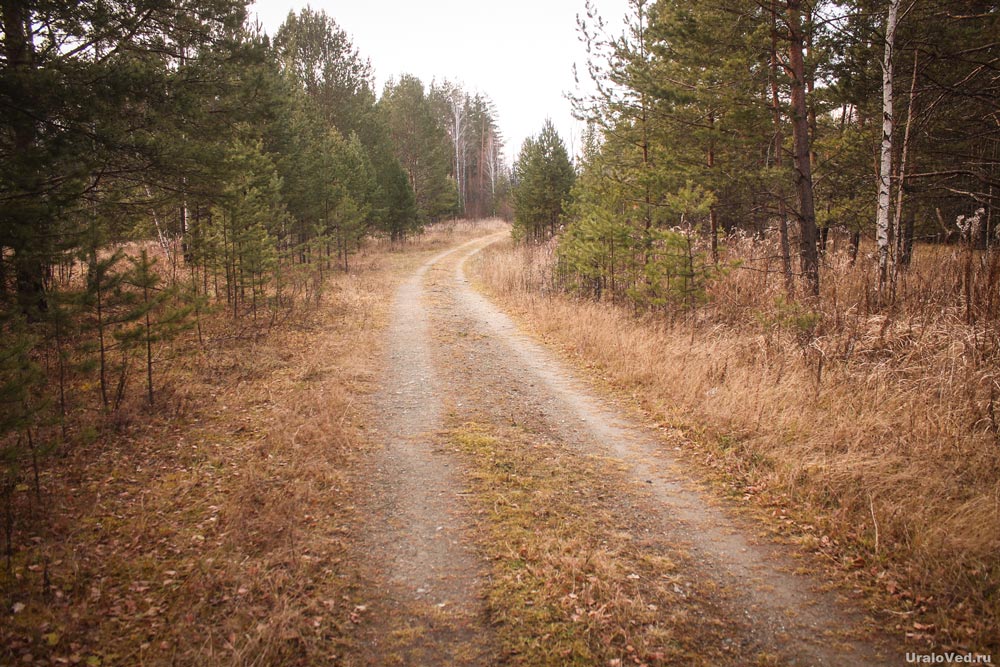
519, 52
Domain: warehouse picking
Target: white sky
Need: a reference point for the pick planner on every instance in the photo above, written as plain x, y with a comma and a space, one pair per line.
518, 52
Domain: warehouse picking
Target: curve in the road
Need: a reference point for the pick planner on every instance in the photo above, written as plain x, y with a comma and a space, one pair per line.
788, 613
448, 344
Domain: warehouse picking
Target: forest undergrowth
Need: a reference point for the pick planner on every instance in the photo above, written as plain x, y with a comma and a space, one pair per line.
218, 528
867, 436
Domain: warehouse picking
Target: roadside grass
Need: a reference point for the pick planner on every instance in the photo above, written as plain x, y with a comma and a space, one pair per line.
867, 437
573, 578
214, 531
220, 528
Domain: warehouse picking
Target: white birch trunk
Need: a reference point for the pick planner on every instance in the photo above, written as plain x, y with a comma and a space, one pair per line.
492, 166
885, 165
457, 103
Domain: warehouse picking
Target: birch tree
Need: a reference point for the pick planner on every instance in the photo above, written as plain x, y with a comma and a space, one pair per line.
458, 132
495, 168
882, 230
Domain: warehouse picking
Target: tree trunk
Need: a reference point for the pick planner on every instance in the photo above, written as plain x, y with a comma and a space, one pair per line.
713, 215
808, 254
810, 78
855, 244
786, 255
906, 249
882, 229
904, 237
28, 230
98, 286
457, 102
647, 213
149, 343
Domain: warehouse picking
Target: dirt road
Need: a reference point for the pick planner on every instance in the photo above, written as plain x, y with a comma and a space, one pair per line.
455, 358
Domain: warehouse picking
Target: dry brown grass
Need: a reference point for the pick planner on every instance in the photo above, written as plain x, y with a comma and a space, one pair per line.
871, 434
219, 528
572, 582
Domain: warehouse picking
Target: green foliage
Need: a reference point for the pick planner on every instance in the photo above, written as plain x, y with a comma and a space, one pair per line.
74, 115
477, 168
398, 203
159, 161
153, 316
340, 172
592, 251
700, 91
543, 180
252, 168
353, 195
249, 217
420, 143
320, 56
601, 253
20, 378
846, 180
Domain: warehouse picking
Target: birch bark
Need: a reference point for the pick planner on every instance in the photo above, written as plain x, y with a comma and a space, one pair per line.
882, 228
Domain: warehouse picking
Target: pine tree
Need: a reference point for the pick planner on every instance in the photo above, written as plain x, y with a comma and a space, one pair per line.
155, 313
422, 147
543, 176
251, 215
400, 216
75, 115
321, 57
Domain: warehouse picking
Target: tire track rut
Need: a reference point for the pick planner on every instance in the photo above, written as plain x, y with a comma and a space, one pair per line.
454, 356
508, 376
430, 586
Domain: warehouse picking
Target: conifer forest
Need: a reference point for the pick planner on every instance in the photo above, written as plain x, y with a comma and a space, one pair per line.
302, 362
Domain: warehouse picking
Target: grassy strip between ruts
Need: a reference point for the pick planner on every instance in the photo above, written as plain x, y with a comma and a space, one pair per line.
575, 578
